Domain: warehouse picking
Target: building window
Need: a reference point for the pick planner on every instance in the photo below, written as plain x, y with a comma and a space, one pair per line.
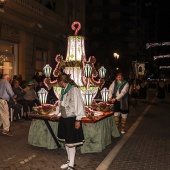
41, 60
8, 58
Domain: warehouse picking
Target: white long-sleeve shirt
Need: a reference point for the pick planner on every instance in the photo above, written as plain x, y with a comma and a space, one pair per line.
118, 95
73, 103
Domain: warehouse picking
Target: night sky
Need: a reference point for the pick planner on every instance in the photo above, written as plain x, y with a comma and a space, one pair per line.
164, 20
164, 31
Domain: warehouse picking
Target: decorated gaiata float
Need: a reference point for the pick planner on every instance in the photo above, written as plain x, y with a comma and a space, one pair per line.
83, 72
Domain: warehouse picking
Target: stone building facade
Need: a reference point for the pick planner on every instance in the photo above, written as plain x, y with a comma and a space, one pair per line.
31, 34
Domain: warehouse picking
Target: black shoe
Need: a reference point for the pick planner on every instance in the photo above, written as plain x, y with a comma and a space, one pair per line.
1, 127
15, 119
29, 118
8, 133
24, 117
70, 168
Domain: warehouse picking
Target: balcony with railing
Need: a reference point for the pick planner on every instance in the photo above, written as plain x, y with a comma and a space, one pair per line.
37, 9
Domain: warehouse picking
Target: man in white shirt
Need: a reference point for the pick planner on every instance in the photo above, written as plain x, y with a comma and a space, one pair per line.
4, 118
7, 94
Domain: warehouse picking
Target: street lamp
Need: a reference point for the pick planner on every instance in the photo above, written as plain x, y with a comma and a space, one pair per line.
116, 55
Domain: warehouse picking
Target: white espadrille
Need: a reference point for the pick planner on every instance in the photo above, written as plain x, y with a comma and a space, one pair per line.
65, 165
122, 132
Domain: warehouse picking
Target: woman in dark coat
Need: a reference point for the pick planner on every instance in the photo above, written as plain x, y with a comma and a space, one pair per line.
161, 91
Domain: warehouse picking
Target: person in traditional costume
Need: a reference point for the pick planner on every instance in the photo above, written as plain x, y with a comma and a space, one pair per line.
118, 94
72, 109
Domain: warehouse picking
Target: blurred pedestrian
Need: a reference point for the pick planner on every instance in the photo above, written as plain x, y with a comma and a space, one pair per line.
134, 90
143, 90
161, 91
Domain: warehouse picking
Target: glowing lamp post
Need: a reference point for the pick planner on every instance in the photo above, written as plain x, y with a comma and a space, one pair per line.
116, 55
102, 72
42, 94
104, 94
47, 70
88, 97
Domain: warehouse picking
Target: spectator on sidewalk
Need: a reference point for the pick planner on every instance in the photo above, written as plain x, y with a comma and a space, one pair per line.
7, 94
19, 92
30, 95
39, 86
118, 94
36, 78
4, 118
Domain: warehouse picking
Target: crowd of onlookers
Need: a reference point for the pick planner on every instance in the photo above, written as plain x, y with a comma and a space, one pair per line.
138, 90
20, 96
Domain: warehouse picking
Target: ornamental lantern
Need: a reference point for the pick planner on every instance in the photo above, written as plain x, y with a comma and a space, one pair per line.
102, 72
104, 94
88, 97
87, 70
47, 70
42, 94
